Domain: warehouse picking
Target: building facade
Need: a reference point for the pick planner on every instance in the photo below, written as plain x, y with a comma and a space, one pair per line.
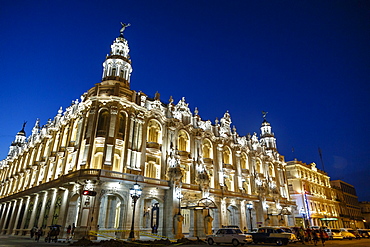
350, 211
195, 175
365, 210
316, 201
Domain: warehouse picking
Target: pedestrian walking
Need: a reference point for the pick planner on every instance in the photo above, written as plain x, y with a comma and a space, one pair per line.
315, 237
69, 230
73, 230
38, 234
324, 236
308, 235
301, 233
33, 231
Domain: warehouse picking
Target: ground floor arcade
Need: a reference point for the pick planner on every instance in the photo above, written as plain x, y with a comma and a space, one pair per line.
162, 208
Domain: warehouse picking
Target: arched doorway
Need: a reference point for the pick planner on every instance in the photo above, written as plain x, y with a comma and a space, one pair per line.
151, 220
112, 212
232, 216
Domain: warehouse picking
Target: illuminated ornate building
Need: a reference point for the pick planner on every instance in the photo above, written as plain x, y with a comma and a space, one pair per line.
317, 203
195, 175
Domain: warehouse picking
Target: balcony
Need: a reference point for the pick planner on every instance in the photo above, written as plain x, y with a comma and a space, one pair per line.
208, 160
228, 166
153, 145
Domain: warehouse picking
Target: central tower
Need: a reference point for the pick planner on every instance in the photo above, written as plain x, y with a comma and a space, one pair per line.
117, 65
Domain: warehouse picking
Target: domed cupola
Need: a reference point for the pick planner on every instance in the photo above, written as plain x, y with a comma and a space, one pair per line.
117, 65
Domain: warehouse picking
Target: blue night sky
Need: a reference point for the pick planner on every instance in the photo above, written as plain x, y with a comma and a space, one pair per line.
305, 62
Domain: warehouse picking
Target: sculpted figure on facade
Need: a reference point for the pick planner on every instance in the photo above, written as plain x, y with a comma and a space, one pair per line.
174, 171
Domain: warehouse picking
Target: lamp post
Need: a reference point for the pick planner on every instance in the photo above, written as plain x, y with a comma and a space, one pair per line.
135, 193
179, 196
250, 207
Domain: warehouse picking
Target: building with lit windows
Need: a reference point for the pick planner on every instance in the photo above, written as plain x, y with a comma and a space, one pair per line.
316, 201
350, 210
365, 210
194, 175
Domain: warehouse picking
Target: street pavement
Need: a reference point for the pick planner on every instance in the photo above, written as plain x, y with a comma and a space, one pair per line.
22, 241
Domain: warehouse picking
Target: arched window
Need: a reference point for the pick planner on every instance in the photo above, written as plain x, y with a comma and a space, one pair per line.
151, 170
226, 155
244, 161
103, 123
207, 149
271, 170
98, 160
183, 141
258, 166
114, 71
121, 126
154, 132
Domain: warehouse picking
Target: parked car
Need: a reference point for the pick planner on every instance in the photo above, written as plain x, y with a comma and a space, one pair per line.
346, 234
355, 232
365, 233
229, 235
334, 233
273, 235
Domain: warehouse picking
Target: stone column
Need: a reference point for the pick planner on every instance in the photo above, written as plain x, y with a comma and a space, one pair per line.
192, 226
33, 214
238, 181
25, 212
220, 177
63, 211
13, 212
95, 206
243, 216
103, 211
54, 194
4, 216
169, 208
17, 212
199, 217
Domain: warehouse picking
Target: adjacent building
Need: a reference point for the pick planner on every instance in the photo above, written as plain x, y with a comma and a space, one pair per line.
316, 201
365, 210
350, 211
195, 175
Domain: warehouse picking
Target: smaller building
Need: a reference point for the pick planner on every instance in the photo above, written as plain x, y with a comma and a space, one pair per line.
365, 210
349, 207
310, 188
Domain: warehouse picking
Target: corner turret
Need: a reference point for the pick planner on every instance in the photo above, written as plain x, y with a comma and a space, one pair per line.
267, 137
20, 140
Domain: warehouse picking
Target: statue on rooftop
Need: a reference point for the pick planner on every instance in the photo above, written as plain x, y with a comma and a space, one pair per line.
124, 27
264, 113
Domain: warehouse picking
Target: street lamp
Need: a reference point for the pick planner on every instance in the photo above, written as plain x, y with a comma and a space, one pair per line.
250, 207
135, 194
179, 196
